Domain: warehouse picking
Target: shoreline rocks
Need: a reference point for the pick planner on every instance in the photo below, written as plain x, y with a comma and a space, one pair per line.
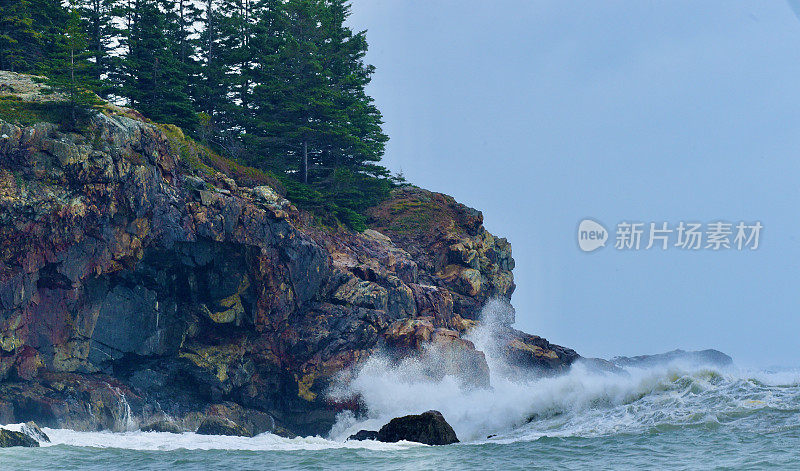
362, 435
140, 277
162, 426
221, 426
32, 430
10, 438
709, 357
429, 428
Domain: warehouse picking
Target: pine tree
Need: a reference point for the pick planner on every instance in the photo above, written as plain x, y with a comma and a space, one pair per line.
311, 111
50, 19
68, 69
102, 35
154, 80
16, 35
360, 141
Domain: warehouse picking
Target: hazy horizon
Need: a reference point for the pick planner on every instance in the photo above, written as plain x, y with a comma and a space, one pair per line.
541, 114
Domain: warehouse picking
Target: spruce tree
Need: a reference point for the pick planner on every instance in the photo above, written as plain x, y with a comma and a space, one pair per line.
102, 36
311, 113
154, 80
17, 35
68, 69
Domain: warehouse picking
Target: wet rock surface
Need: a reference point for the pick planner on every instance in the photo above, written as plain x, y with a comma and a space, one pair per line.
362, 435
9, 438
429, 428
137, 285
32, 430
221, 426
162, 426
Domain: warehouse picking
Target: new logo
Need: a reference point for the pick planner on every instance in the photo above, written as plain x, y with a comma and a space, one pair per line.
591, 235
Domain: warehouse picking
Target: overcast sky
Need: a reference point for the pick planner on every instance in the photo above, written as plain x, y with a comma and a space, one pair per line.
541, 114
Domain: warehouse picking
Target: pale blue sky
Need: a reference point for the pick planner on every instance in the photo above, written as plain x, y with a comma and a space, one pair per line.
542, 113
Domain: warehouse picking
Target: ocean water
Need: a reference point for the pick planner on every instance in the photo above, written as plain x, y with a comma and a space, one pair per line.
669, 416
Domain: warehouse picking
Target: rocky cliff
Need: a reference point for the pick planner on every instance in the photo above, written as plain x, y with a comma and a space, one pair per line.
143, 278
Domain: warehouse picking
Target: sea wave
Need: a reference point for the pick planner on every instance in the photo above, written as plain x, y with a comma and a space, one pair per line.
581, 403
584, 402
161, 441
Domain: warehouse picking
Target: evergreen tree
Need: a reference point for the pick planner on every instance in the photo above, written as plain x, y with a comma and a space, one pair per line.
359, 141
101, 34
310, 110
68, 69
154, 80
17, 35
280, 84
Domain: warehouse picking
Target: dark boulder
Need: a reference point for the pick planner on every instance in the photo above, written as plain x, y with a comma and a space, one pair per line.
162, 426
221, 426
429, 428
364, 435
10, 438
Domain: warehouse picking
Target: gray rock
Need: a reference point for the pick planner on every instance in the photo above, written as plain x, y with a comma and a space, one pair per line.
708, 357
162, 426
221, 426
362, 435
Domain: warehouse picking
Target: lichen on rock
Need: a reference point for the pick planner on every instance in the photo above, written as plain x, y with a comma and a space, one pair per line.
139, 281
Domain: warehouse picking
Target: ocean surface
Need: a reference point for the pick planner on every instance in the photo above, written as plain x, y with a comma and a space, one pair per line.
666, 416
669, 417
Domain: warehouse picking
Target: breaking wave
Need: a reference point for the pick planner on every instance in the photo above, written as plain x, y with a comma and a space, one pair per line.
582, 403
585, 402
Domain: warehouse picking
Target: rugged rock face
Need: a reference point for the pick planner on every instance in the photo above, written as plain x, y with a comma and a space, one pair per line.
163, 426
138, 286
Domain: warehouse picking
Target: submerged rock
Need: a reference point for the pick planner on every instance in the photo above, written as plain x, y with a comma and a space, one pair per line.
162, 426
9, 438
362, 435
221, 426
429, 428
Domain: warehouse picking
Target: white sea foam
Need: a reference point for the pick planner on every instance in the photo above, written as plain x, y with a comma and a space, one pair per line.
160, 441
582, 402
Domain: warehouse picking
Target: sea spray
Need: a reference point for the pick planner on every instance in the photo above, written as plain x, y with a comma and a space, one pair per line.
123, 419
583, 402
389, 388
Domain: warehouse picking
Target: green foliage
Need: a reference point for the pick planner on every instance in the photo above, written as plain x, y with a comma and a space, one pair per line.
342, 201
154, 79
273, 89
68, 70
103, 34
307, 95
200, 159
14, 110
17, 34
